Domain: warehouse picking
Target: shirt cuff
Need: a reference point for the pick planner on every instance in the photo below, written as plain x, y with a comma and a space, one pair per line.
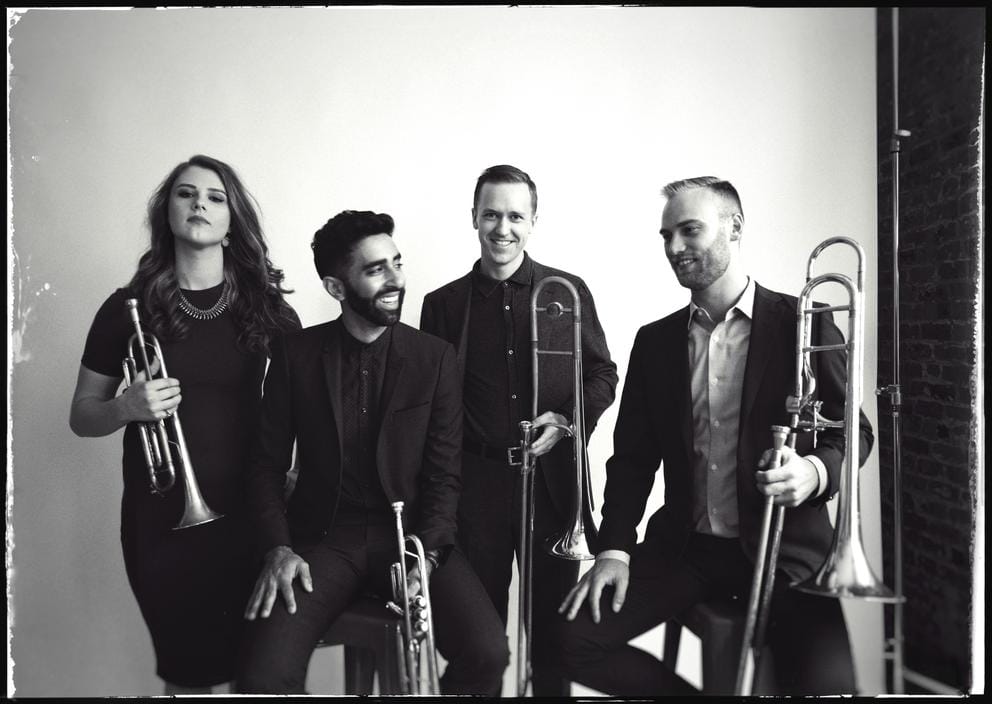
821, 473
624, 557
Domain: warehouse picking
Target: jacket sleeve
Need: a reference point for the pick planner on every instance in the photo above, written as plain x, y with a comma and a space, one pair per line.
599, 372
429, 320
440, 476
830, 370
271, 455
637, 454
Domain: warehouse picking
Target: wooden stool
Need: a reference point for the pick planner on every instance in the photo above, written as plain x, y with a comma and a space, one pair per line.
369, 632
719, 625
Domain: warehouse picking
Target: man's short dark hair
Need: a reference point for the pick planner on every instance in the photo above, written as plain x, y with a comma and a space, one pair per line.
722, 188
504, 173
333, 243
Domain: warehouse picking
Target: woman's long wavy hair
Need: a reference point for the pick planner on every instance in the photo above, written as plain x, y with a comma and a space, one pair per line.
254, 284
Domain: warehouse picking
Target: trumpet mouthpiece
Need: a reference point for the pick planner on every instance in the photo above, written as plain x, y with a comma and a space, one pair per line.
779, 434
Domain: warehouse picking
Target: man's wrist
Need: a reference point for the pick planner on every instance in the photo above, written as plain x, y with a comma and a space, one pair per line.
621, 555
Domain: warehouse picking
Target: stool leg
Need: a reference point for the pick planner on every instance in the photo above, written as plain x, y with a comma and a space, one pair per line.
359, 670
721, 652
673, 636
389, 678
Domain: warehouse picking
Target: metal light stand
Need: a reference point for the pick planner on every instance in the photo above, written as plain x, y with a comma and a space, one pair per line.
894, 645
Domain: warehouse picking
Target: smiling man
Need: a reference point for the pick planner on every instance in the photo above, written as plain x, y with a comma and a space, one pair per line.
374, 409
486, 315
703, 388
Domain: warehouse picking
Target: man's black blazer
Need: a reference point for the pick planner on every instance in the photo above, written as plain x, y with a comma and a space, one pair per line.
445, 313
654, 426
418, 453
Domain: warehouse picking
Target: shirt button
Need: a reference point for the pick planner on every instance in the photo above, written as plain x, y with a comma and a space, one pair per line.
506, 307
713, 511
716, 424
713, 467
713, 381
513, 396
363, 411
510, 352
506, 284
365, 372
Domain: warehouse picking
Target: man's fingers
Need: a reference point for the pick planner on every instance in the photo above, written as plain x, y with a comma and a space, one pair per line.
619, 595
595, 594
577, 600
268, 600
305, 578
251, 611
286, 588
567, 601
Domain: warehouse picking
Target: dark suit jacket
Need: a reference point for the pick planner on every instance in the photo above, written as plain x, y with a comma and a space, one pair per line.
418, 454
445, 313
654, 426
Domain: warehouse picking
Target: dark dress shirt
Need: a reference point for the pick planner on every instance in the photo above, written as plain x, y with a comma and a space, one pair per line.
362, 372
497, 390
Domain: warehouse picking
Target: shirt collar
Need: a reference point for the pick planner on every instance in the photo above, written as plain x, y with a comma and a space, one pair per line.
484, 284
377, 346
744, 304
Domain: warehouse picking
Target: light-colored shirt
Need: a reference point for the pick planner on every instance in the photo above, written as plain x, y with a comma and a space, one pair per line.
717, 357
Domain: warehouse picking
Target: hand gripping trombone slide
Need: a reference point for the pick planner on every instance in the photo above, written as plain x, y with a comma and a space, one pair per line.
156, 446
846, 571
573, 542
418, 617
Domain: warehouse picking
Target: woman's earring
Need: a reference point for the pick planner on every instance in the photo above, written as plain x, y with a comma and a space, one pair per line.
226, 241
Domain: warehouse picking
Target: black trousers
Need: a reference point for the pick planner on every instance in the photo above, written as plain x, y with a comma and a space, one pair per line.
806, 633
352, 560
489, 534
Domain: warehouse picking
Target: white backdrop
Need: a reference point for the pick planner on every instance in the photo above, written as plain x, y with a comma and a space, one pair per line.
395, 110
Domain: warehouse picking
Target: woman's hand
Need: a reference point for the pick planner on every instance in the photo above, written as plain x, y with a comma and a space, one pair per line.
150, 400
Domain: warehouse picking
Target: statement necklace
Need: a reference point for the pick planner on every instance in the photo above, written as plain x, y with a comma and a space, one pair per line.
200, 314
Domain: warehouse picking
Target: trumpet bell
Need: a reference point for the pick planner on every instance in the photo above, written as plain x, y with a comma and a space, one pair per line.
846, 573
195, 516
573, 544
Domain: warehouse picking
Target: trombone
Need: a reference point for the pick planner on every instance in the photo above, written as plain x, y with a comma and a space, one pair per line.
155, 443
418, 619
574, 541
846, 571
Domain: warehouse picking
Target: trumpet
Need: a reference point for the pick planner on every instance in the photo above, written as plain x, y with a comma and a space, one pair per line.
846, 571
575, 539
156, 444
417, 632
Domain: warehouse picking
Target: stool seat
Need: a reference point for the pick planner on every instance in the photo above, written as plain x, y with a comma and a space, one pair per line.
719, 625
370, 635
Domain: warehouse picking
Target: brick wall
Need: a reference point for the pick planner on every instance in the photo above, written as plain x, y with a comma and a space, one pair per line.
941, 53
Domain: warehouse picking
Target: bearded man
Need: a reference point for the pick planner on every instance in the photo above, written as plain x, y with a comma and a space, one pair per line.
374, 407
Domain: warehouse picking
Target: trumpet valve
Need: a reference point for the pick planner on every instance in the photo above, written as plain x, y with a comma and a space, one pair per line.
554, 309
794, 405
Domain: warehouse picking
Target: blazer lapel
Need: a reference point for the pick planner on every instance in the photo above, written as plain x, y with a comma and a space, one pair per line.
395, 366
766, 328
681, 390
331, 358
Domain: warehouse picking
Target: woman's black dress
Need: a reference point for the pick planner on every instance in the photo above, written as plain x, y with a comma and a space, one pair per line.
192, 585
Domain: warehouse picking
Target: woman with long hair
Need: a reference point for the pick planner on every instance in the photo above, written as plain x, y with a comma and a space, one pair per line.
208, 292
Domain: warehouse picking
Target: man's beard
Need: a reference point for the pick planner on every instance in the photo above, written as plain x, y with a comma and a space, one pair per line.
366, 308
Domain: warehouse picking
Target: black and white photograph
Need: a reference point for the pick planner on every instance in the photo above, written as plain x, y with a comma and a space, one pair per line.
495, 350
